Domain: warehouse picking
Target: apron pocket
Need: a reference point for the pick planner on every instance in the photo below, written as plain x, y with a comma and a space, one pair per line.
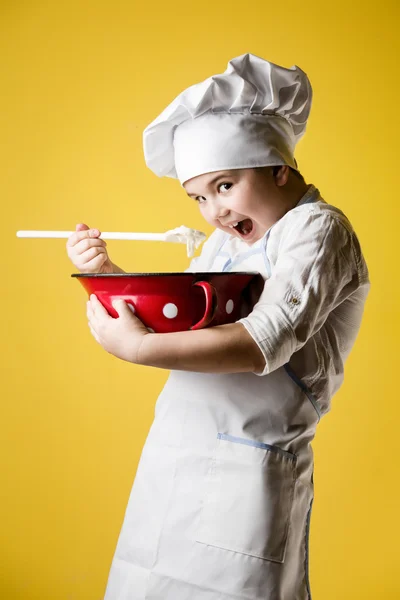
248, 498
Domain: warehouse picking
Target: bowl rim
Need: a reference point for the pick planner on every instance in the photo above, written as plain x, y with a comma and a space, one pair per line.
175, 274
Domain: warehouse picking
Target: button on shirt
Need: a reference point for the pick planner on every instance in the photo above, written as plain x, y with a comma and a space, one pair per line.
316, 283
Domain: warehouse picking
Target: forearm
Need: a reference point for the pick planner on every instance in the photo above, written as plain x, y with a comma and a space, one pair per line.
222, 349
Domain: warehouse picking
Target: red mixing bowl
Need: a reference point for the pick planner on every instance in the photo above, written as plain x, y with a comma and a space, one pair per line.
167, 302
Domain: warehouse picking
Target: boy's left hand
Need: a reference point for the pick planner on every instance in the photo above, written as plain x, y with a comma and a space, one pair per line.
121, 337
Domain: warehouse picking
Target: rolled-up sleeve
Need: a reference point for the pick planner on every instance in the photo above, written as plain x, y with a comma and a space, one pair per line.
315, 270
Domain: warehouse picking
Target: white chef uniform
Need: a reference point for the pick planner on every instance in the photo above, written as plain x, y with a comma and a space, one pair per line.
221, 503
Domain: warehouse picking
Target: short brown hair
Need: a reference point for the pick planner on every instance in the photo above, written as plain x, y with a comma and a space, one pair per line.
276, 168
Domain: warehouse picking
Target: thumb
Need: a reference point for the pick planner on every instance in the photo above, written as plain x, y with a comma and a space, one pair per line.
122, 308
81, 227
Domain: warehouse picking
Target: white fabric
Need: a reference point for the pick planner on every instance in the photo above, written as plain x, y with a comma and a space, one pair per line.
251, 115
312, 303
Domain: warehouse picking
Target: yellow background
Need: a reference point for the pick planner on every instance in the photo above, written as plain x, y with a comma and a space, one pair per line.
79, 82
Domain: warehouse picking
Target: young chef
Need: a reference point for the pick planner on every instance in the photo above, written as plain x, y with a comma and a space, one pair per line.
220, 507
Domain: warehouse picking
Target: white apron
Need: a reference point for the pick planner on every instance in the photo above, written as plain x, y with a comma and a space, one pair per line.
221, 503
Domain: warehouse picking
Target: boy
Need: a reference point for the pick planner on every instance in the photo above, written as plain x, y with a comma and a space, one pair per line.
221, 502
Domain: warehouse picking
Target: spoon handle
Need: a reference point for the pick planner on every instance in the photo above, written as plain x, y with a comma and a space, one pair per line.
106, 235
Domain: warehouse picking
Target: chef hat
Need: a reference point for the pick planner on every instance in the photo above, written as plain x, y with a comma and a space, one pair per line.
250, 116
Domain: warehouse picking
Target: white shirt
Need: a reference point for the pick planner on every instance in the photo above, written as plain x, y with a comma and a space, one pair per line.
316, 284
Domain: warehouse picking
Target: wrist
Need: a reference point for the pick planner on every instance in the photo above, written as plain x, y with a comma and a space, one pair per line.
148, 353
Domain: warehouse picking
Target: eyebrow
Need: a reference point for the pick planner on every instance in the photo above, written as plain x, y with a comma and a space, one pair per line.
221, 176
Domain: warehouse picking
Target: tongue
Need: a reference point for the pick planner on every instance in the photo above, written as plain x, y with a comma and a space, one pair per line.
246, 226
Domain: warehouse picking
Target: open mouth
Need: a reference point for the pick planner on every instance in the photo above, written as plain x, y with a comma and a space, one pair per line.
244, 227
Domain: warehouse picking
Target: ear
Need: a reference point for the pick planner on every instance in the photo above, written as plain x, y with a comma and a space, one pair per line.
282, 176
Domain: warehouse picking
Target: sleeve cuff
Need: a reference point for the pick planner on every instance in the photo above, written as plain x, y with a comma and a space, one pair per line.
276, 352
262, 344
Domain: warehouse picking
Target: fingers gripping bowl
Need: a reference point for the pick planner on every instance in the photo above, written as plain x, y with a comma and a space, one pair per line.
169, 302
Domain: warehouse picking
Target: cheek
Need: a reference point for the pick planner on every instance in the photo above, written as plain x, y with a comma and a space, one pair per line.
205, 214
241, 200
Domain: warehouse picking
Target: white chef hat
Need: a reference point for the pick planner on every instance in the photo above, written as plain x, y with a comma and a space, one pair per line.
250, 116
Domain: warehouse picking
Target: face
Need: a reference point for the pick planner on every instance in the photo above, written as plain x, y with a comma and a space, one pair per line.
243, 202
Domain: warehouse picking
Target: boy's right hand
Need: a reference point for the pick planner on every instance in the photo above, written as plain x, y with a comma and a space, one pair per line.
87, 251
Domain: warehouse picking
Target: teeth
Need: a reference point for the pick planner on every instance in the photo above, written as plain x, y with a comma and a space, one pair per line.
233, 225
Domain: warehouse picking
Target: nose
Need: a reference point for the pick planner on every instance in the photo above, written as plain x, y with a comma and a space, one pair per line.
217, 211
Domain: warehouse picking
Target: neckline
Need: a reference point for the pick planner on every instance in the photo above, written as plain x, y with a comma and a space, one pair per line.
310, 193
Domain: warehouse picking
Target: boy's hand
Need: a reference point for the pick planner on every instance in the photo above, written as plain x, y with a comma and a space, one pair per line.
88, 252
121, 337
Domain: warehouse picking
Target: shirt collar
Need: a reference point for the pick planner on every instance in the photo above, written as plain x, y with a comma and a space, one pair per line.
311, 195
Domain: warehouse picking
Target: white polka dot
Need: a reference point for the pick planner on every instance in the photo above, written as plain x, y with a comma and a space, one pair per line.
170, 311
150, 330
229, 306
131, 307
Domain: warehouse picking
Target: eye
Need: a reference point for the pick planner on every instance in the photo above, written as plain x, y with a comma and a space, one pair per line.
200, 199
224, 187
